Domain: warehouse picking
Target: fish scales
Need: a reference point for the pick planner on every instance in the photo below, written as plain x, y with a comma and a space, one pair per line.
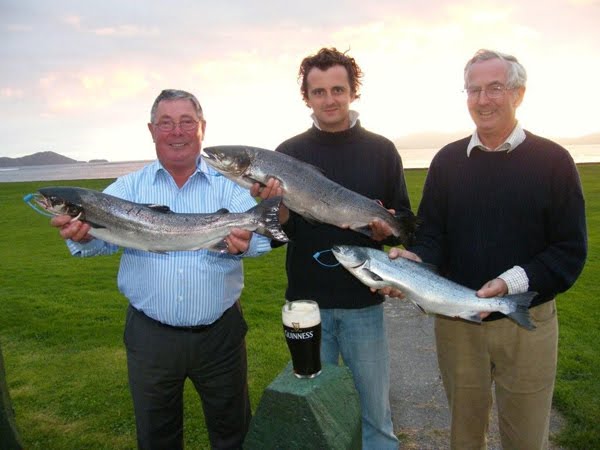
428, 290
156, 228
307, 191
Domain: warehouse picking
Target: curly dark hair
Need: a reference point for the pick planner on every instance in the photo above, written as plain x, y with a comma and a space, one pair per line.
323, 60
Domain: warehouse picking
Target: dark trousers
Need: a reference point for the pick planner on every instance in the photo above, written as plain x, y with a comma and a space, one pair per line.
160, 358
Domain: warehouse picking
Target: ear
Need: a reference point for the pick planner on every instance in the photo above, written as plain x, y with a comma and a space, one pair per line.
519, 93
203, 127
151, 129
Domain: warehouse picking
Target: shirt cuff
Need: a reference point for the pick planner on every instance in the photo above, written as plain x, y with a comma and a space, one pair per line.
83, 250
516, 280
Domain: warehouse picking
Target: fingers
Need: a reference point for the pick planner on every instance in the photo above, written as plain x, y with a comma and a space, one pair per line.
271, 189
238, 241
493, 288
74, 230
255, 190
396, 252
389, 292
380, 230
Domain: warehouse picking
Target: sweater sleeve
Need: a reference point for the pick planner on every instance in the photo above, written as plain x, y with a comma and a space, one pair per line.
556, 268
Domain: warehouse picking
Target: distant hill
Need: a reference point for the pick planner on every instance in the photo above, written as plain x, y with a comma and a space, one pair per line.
37, 159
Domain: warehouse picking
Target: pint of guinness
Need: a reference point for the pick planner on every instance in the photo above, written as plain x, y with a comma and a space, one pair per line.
302, 329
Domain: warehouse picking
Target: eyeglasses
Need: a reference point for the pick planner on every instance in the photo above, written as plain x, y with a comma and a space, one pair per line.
184, 125
491, 92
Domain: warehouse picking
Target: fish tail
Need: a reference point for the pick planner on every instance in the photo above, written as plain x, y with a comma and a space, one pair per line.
268, 217
520, 309
408, 222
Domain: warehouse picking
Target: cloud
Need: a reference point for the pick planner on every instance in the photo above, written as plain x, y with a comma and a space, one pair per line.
125, 31
19, 28
12, 93
92, 89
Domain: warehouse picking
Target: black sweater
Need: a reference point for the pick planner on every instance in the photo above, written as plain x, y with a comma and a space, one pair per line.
486, 213
358, 160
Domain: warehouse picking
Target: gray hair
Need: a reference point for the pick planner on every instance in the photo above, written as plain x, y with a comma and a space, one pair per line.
174, 94
516, 74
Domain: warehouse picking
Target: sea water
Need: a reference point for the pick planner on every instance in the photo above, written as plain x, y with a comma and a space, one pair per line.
411, 159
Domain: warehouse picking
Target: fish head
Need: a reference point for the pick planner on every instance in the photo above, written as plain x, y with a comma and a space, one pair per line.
229, 159
60, 200
350, 256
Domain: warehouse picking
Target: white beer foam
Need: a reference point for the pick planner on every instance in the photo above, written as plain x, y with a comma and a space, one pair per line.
301, 314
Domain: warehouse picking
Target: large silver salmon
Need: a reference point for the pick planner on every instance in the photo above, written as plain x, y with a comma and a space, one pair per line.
306, 190
431, 292
156, 228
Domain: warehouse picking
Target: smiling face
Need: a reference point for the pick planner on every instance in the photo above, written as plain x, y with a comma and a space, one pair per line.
329, 96
494, 118
177, 149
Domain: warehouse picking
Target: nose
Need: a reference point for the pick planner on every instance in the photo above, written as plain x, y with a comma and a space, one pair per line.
482, 97
329, 98
177, 128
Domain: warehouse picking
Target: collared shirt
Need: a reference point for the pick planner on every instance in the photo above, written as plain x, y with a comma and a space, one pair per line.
353, 115
516, 278
179, 288
516, 137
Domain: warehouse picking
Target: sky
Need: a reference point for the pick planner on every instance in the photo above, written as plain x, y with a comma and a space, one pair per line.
79, 78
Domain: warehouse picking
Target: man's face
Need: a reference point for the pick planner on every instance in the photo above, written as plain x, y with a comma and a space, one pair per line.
178, 148
494, 118
329, 96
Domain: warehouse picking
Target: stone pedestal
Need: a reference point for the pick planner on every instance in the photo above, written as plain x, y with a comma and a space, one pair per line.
9, 438
319, 413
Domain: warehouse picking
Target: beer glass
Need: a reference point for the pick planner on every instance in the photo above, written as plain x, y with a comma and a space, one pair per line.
302, 330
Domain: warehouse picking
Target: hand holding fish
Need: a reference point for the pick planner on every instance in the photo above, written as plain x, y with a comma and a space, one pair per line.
69, 228
493, 288
271, 189
381, 230
238, 241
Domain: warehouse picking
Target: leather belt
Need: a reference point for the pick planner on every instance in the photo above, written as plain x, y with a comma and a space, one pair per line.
190, 329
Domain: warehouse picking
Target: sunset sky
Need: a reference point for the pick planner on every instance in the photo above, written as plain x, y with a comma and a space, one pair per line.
79, 78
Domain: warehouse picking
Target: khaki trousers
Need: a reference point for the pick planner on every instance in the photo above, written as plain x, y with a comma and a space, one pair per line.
521, 365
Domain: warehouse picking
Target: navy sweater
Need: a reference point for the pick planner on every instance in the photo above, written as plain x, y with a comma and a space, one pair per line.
486, 213
358, 160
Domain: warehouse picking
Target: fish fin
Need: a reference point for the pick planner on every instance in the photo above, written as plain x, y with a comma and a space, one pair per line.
419, 307
521, 303
471, 316
365, 229
371, 274
268, 212
408, 222
158, 208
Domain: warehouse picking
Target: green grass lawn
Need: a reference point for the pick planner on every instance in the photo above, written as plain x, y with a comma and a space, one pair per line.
61, 325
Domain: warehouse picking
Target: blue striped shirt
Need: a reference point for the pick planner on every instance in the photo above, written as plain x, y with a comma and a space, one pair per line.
179, 288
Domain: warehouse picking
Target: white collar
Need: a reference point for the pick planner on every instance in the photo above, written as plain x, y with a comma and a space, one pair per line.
353, 115
516, 137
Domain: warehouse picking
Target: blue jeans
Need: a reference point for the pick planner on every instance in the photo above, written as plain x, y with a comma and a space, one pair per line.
359, 336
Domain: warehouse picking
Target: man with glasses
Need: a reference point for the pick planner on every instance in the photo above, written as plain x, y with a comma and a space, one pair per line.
503, 213
184, 319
